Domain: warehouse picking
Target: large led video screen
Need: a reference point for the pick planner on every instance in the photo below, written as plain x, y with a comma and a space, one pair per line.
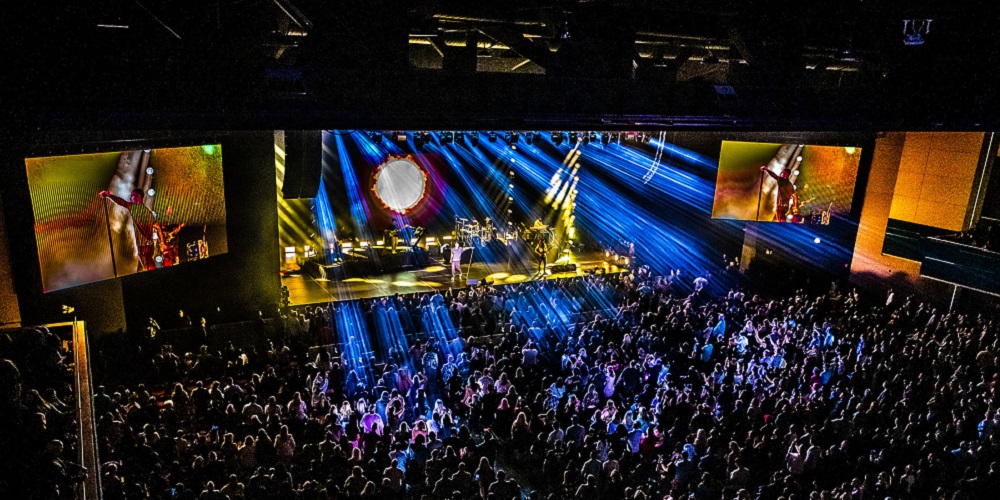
105, 215
790, 183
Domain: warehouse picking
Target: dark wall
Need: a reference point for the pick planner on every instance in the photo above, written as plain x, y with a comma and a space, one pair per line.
237, 283
9, 313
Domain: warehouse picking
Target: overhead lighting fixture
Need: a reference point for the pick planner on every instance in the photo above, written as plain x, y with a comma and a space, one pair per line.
474, 138
605, 138
557, 138
914, 31
511, 137
447, 137
491, 136
400, 136
574, 137
586, 138
629, 136
459, 136
419, 139
529, 137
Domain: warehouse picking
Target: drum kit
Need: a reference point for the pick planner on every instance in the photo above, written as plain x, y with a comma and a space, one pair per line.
476, 234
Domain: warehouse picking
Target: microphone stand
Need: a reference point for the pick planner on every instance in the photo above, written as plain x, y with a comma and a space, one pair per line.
111, 244
471, 257
760, 193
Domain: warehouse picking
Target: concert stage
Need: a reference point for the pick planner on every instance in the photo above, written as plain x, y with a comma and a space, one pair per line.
304, 289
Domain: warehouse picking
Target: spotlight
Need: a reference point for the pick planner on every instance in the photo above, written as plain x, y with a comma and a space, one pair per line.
529, 137
474, 138
459, 136
586, 139
537, 138
574, 137
400, 136
593, 137
375, 135
849, 150
419, 140
557, 138
629, 136
817, 241
510, 137
605, 138
492, 136
447, 137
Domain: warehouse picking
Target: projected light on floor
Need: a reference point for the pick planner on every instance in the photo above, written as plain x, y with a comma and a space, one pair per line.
400, 184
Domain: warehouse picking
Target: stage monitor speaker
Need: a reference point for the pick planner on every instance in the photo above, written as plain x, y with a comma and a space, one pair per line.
303, 163
563, 268
472, 282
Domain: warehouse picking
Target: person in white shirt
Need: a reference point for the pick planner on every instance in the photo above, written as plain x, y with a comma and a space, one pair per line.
456, 260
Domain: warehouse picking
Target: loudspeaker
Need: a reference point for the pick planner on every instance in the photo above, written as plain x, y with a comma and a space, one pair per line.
563, 268
303, 163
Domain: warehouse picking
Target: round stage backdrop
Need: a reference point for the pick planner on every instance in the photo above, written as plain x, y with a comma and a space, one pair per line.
400, 184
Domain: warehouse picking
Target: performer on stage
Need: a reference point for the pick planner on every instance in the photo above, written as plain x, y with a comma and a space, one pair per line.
542, 249
168, 246
142, 219
392, 237
456, 259
784, 194
542, 235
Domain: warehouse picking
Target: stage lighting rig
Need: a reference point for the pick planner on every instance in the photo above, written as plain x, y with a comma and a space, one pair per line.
447, 137
558, 137
511, 137
529, 137
421, 138
474, 138
605, 138
375, 135
400, 136
574, 137
491, 136
459, 136
586, 138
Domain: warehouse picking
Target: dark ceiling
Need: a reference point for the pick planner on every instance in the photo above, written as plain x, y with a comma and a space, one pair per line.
827, 64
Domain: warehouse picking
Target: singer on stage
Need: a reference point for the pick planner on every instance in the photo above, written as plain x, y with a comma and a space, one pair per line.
784, 194
456, 259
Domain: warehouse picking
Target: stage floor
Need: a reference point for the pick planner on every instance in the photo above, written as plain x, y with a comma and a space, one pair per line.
304, 289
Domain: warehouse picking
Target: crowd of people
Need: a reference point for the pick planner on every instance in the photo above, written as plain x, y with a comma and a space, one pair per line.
40, 436
985, 235
612, 387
